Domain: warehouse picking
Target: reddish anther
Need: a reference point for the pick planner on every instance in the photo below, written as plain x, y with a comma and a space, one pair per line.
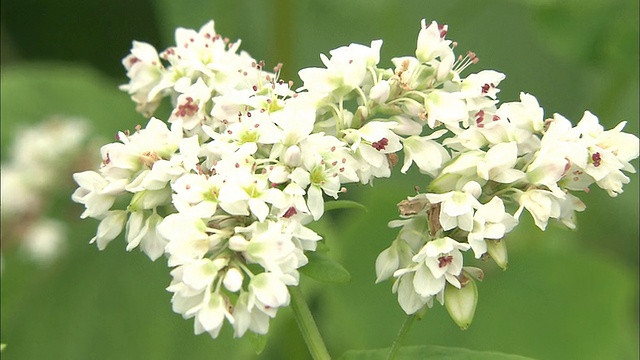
381, 144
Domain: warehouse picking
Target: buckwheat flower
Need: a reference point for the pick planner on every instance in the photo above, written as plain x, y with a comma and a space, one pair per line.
481, 89
254, 127
196, 194
268, 292
110, 227
326, 165
188, 238
541, 204
456, 209
371, 144
426, 153
609, 153
211, 315
248, 319
95, 193
526, 114
444, 107
431, 42
411, 74
439, 262
490, 221
499, 162
140, 150
191, 105
270, 245
345, 70
192, 296
409, 299
142, 231
144, 70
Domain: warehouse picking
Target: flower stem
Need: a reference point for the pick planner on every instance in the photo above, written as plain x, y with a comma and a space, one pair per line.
307, 325
402, 333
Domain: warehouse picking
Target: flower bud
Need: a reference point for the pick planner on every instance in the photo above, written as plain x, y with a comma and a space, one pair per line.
380, 91
293, 156
461, 303
497, 249
233, 280
473, 188
238, 243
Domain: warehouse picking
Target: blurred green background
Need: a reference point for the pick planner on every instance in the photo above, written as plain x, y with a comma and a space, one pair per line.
567, 294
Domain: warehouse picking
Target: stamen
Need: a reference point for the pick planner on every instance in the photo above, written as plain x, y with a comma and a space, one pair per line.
444, 260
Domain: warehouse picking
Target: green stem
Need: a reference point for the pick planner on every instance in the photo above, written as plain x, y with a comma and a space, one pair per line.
402, 333
307, 325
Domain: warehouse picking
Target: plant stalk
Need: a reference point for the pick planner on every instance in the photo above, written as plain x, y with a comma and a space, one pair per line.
307, 325
402, 333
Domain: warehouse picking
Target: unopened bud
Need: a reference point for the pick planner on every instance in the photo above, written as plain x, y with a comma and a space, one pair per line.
293, 156
232, 280
497, 249
380, 92
238, 243
461, 303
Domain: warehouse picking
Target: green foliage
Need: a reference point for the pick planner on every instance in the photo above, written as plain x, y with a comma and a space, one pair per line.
322, 267
343, 204
429, 352
259, 342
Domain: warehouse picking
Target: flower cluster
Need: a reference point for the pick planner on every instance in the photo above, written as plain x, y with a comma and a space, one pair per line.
226, 190
38, 163
506, 156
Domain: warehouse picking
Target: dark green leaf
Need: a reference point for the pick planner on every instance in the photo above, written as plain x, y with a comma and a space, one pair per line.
430, 352
343, 204
258, 342
323, 268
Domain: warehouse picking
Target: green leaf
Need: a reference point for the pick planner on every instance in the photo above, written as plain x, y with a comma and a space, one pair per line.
430, 352
343, 204
323, 268
258, 342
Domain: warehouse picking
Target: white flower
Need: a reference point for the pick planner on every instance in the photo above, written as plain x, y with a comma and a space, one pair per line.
270, 245
410, 301
145, 72
110, 227
445, 107
438, 260
248, 319
95, 193
431, 42
191, 105
542, 205
211, 315
345, 70
456, 209
371, 144
489, 222
426, 153
499, 162
144, 233
187, 238
268, 292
